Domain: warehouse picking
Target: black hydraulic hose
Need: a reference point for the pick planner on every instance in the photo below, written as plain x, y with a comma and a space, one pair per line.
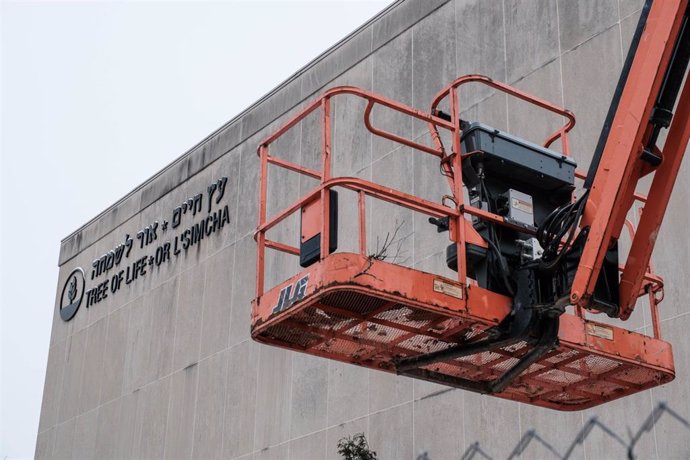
561, 222
492, 240
505, 271
571, 226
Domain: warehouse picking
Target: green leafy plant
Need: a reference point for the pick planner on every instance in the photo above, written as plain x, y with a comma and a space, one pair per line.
355, 448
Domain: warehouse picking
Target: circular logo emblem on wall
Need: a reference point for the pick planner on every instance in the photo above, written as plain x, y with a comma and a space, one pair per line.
72, 294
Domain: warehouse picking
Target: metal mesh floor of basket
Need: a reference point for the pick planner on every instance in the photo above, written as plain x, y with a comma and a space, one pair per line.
359, 321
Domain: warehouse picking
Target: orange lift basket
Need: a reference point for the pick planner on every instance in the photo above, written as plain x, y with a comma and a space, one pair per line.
480, 331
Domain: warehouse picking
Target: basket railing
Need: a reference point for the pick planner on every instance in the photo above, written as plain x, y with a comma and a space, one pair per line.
450, 161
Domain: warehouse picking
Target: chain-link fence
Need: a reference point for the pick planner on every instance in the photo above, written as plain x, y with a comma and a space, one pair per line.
532, 438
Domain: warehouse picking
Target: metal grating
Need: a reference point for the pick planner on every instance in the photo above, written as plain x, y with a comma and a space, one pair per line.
369, 331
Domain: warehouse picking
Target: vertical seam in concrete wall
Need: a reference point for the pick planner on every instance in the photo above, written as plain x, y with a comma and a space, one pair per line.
238, 237
81, 387
165, 433
228, 348
177, 309
58, 397
105, 344
620, 31
198, 354
199, 358
292, 376
656, 445
256, 399
172, 359
196, 398
167, 409
560, 55
325, 430
505, 61
584, 444
225, 395
58, 401
224, 361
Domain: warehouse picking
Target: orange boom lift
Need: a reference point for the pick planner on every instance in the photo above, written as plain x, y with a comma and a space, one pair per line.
534, 257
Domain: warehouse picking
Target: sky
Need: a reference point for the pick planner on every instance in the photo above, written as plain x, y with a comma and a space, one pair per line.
97, 97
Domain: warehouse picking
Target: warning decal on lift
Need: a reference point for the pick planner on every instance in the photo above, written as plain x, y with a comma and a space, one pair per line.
599, 331
522, 205
448, 289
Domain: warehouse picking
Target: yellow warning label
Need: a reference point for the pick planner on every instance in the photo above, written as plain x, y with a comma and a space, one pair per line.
448, 289
599, 331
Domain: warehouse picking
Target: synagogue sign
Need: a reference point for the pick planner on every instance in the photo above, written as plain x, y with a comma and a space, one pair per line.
158, 243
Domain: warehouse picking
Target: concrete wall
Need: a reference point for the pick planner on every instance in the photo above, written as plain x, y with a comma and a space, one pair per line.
165, 366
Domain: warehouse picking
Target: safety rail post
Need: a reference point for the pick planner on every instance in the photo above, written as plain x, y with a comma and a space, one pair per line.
565, 142
261, 236
653, 306
326, 175
580, 312
457, 187
361, 199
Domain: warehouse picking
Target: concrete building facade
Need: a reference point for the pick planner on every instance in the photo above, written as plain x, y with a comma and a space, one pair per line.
158, 360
